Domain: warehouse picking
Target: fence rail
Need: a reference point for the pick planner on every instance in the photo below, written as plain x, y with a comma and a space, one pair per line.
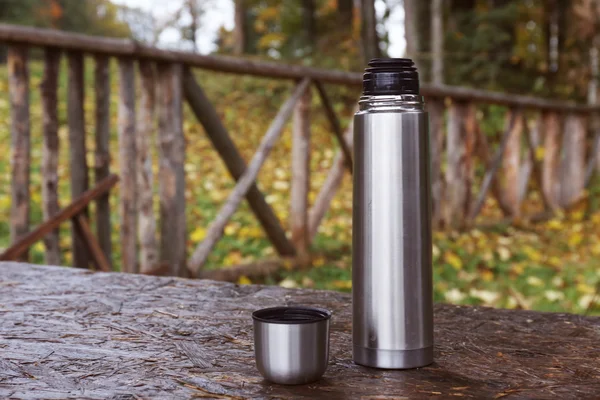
548, 151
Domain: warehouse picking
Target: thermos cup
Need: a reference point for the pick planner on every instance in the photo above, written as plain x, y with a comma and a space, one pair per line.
391, 236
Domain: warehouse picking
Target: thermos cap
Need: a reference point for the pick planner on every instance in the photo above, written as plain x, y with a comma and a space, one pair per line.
390, 76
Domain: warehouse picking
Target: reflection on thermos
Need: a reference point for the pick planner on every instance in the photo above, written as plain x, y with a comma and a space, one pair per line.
391, 238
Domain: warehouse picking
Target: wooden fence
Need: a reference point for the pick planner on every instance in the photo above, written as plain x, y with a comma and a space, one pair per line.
549, 150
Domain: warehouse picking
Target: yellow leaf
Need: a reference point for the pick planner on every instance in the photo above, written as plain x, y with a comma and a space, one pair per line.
555, 224
244, 280
198, 234
487, 276
454, 260
38, 247
342, 284
575, 239
503, 253
231, 229
288, 283
319, 262
534, 281
585, 288
532, 253
539, 153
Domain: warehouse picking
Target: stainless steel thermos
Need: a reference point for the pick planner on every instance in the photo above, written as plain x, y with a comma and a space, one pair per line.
391, 236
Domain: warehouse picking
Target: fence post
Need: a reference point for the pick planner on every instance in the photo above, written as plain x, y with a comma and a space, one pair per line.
144, 136
102, 153
127, 161
572, 167
511, 165
459, 174
50, 151
436, 129
300, 173
171, 168
551, 131
18, 81
79, 167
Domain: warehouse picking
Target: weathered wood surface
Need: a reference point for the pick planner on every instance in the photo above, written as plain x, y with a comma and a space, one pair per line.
460, 144
49, 100
171, 174
69, 333
127, 160
102, 153
145, 134
20, 143
236, 65
300, 173
77, 147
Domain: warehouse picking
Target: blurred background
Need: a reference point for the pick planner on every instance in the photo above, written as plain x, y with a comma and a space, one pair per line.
547, 49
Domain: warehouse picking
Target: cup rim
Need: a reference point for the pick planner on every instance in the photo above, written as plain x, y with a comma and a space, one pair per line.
293, 315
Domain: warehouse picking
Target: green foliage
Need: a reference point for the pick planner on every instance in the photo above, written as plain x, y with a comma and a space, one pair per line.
94, 17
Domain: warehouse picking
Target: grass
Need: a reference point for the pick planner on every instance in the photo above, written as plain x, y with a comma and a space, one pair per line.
550, 266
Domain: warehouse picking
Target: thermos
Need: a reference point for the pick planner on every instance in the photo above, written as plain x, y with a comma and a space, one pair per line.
392, 294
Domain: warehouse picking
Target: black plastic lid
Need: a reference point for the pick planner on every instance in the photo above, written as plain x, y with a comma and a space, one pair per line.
391, 76
291, 315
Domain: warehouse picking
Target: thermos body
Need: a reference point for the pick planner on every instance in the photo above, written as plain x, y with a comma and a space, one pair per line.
391, 241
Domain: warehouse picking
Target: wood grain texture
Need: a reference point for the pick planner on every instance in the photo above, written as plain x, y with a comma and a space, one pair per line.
20, 144
127, 161
125, 336
173, 232
207, 115
511, 165
460, 144
551, 132
49, 100
102, 151
145, 134
77, 147
572, 167
300, 173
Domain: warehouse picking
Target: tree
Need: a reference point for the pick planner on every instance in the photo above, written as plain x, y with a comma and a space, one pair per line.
240, 36
437, 41
370, 39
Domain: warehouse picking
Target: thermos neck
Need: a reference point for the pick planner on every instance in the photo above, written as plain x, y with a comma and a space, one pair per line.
391, 84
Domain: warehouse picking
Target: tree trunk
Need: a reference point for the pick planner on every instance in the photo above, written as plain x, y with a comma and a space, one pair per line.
127, 161
144, 136
310, 25
437, 41
171, 173
79, 167
370, 40
411, 32
50, 151
18, 81
345, 11
240, 34
102, 153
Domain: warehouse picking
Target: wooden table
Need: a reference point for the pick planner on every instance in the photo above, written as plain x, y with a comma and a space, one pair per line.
69, 333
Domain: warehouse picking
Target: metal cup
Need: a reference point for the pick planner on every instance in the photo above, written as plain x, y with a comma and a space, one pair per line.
291, 344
